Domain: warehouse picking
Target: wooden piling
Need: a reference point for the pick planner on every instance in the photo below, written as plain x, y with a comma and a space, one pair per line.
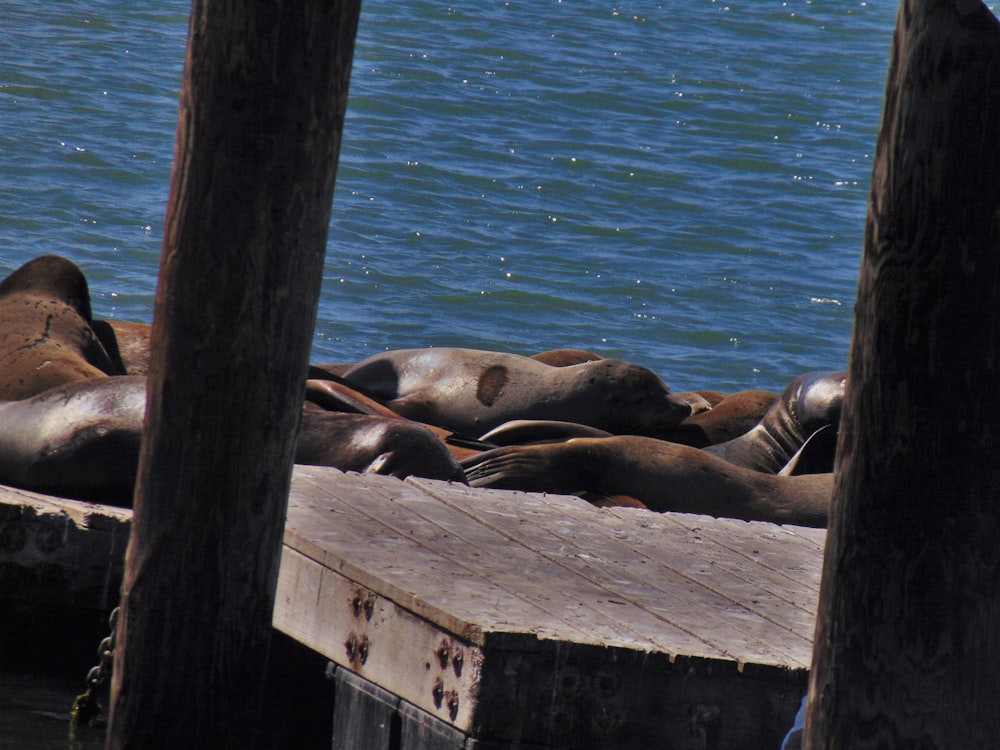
261, 114
907, 652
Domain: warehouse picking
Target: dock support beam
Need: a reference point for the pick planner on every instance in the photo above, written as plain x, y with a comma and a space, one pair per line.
258, 137
906, 649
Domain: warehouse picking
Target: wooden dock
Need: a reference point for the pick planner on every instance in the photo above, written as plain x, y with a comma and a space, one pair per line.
462, 618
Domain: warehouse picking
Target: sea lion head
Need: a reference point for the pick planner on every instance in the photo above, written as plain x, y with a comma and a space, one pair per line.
53, 277
631, 399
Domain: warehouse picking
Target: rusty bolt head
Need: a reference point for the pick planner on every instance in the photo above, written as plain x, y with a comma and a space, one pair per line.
443, 652
363, 648
437, 692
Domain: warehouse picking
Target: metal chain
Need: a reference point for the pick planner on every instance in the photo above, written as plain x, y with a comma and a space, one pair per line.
87, 707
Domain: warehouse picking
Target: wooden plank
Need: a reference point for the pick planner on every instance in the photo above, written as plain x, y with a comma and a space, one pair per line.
380, 640
721, 618
714, 557
581, 696
364, 715
420, 731
548, 562
493, 563
460, 599
788, 550
750, 584
521, 572
629, 620
61, 551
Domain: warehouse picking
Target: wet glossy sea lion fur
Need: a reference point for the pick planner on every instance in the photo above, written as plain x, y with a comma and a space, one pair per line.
46, 337
730, 416
810, 402
663, 476
470, 391
82, 439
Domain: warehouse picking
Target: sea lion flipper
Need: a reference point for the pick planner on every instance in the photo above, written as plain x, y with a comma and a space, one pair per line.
816, 455
521, 431
334, 395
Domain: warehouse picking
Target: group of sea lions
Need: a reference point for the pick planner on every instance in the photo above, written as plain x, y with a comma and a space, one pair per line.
72, 403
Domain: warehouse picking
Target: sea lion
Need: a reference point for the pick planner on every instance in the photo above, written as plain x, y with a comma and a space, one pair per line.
698, 403
729, 417
525, 431
81, 439
663, 476
375, 445
810, 402
333, 394
816, 456
324, 370
469, 391
565, 357
126, 343
46, 337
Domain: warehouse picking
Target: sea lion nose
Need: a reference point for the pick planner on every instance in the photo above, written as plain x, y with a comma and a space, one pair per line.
695, 401
678, 409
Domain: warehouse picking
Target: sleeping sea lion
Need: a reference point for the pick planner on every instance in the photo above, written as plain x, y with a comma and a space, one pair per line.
81, 439
375, 445
46, 337
469, 391
810, 402
565, 357
333, 394
663, 476
729, 417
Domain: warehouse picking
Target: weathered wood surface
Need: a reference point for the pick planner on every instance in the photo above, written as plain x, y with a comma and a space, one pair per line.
475, 606
908, 638
521, 566
555, 591
262, 107
61, 552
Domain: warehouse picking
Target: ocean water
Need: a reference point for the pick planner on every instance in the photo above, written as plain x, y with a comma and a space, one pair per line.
681, 184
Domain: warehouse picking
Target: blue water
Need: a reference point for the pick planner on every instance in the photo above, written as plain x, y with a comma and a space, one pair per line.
681, 184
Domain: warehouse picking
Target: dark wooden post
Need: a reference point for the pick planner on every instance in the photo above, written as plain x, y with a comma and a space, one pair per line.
907, 650
261, 114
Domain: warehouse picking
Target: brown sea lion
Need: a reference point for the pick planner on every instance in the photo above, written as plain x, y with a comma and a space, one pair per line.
375, 445
663, 476
698, 403
810, 402
332, 394
325, 370
565, 357
525, 431
81, 439
469, 391
713, 397
729, 417
126, 343
46, 337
